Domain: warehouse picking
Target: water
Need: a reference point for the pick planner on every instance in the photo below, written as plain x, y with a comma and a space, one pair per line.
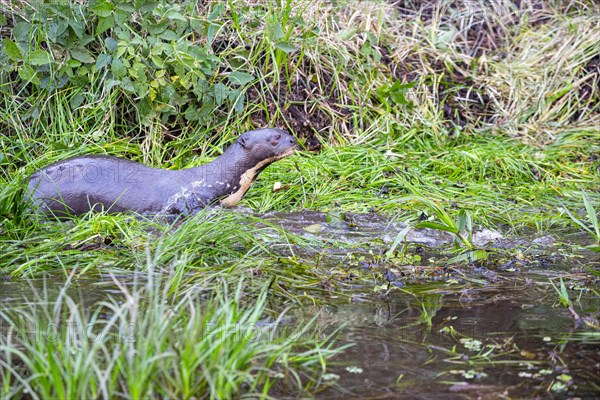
463, 333
400, 356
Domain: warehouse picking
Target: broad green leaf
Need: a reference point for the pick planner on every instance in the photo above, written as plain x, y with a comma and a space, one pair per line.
197, 52
12, 50
76, 100
335, 217
274, 30
233, 94
102, 61
157, 48
104, 24
110, 44
121, 49
82, 55
118, 68
215, 13
83, 70
159, 62
21, 31
365, 49
347, 33
145, 6
480, 255
221, 92
240, 78
286, 47
127, 85
207, 109
65, 69
238, 106
110, 83
141, 89
39, 57
169, 35
56, 29
28, 74
78, 27
133, 73
445, 37
174, 15
191, 113
73, 63
102, 8
125, 7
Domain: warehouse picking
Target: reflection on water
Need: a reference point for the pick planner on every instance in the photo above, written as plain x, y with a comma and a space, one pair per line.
519, 332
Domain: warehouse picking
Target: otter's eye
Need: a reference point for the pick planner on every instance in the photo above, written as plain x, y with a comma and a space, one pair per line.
277, 137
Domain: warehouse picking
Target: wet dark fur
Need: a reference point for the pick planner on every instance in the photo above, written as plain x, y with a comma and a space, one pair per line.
76, 185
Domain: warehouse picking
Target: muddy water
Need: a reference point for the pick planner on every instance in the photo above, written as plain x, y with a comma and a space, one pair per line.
47, 287
397, 354
483, 333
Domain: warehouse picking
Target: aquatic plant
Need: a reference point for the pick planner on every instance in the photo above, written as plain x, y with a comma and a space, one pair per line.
592, 226
565, 300
461, 228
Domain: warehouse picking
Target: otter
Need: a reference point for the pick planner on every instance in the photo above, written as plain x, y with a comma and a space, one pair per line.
105, 183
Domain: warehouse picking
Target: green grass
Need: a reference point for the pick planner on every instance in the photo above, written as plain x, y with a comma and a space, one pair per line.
500, 179
143, 342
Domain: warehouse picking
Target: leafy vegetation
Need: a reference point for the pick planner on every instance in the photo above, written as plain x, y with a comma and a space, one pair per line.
146, 52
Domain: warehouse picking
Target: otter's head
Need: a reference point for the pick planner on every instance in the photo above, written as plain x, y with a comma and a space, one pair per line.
263, 146
259, 148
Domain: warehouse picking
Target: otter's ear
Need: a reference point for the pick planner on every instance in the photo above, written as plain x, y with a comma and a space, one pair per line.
242, 141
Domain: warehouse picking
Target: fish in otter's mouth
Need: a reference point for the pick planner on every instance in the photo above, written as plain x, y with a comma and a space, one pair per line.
286, 153
249, 176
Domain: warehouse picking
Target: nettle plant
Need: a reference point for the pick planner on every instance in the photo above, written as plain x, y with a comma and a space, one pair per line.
156, 54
